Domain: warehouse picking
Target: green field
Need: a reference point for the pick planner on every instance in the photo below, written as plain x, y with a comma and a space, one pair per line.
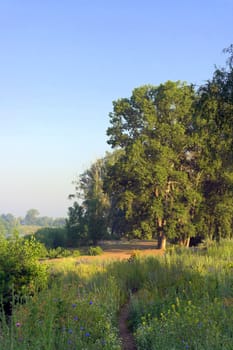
182, 300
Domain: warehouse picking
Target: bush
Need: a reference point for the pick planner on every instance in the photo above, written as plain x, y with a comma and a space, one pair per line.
76, 253
60, 252
20, 270
95, 251
52, 237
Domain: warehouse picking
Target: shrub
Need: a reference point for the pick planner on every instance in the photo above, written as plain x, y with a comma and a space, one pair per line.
52, 237
95, 251
60, 252
20, 271
76, 253
54, 253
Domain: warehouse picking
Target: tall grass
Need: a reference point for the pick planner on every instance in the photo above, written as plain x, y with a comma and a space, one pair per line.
183, 300
187, 301
74, 313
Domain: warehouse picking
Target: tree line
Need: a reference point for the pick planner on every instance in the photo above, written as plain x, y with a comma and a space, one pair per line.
170, 174
9, 223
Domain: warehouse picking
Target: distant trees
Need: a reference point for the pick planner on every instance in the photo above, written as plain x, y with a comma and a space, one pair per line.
32, 218
88, 221
9, 224
171, 173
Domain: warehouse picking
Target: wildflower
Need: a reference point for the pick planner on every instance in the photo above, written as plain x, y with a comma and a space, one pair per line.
18, 324
186, 345
87, 334
81, 328
70, 331
75, 318
91, 302
74, 305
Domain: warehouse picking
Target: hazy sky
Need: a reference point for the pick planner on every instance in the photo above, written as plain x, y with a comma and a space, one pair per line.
63, 62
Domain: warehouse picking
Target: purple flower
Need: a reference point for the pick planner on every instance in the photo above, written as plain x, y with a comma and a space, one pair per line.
91, 302
70, 331
87, 334
18, 324
74, 305
75, 318
81, 328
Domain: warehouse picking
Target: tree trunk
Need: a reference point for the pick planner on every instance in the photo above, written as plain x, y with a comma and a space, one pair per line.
187, 241
184, 242
162, 239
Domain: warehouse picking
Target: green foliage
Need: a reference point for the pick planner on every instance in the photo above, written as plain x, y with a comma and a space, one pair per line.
186, 302
95, 250
182, 300
215, 146
60, 252
2, 227
8, 224
154, 181
69, 314
32, 218
171, 172
184, 327
52, 237
89, 222
21, 273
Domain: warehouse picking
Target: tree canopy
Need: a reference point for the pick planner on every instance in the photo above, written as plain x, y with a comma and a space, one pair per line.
154, 182
170, 175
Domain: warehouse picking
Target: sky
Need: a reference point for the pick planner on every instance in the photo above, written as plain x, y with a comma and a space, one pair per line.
63, 62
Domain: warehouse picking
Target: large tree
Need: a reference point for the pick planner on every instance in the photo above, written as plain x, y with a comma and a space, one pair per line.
154, 183
214, 121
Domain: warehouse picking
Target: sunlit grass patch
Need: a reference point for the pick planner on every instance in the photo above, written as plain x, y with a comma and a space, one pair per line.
182, 300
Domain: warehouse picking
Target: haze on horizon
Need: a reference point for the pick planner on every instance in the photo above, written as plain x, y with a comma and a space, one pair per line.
63, 63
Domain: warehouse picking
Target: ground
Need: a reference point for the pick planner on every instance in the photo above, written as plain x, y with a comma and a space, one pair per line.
128, 342
124, 249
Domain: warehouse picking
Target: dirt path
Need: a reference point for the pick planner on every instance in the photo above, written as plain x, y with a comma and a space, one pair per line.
128, 342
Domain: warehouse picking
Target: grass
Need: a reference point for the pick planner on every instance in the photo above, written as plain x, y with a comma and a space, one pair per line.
182, 300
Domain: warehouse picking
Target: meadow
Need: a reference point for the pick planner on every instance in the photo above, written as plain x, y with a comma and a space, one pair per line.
180, 300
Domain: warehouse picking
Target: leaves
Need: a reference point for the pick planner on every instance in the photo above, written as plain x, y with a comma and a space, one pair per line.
153, 128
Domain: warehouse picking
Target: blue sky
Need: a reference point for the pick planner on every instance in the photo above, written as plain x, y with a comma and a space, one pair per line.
63, 62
